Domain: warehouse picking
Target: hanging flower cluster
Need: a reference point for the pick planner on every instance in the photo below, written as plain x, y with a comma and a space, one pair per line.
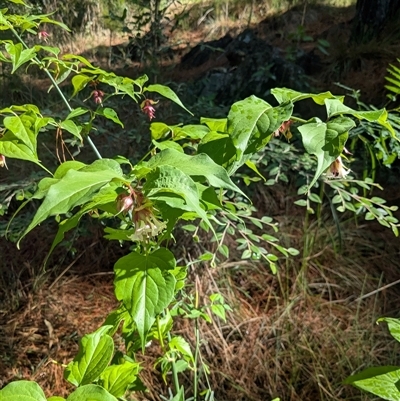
98, 96
143, 215
43, 35
284, 129
148, 109
3, 161
337, 169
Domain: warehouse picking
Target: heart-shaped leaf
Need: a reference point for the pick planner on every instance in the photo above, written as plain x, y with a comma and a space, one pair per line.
145, 285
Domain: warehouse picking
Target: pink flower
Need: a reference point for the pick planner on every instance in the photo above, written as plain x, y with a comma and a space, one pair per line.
284, 128
124, 203
337, 169
98, 96
3, 161
43, 35
148, 109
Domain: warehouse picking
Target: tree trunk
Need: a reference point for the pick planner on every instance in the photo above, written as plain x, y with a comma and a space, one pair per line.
371, 17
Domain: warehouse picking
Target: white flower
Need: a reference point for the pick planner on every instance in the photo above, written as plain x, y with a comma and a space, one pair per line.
337, 169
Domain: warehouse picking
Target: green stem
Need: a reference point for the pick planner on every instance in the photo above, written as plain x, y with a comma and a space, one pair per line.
196, 357
39, 62
298, 119
174, 371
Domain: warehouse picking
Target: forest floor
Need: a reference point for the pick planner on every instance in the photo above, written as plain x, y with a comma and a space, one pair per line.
296, 335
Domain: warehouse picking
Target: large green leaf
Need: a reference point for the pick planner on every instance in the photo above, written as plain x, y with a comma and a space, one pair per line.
219, 147
21, 127
19, 55
106, 195
283, 95
95, 353
170, 184
251, 123
381, 381
12, 147
72, 128
79, 82
117, 378
200, 165
145, 285
74, 189
335, 107
166, 92
91, 392
325, 141
22, 391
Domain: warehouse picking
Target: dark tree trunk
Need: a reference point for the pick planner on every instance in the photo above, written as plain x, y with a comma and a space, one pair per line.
371, 17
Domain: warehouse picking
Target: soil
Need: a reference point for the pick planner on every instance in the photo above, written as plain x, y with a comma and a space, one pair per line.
41, 322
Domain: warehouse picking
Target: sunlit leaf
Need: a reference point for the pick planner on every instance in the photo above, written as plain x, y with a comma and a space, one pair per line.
91, 392
19, 55
381, 381
117, 378
326, 141
95, 352
74, 189
166, 92
22, 390
145, 286
283, 95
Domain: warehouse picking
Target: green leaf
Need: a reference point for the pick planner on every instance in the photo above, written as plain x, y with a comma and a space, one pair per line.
111, 114
11, 147
301, 202
159, 130
79, 111
219, 311
325, 141
22, 390
117, 378
95, 353
19, 2
215, 124
224, 250
145, 285
74, 189
21, 127
283, 95
170, 185
219, 147
251, 123
381, 381
79, 82
91, 392
334, 107
200, 165
166, 92
179, 344
72, 128
314, 198
393, 325
194, 132
167, 145
56, 398
19, 55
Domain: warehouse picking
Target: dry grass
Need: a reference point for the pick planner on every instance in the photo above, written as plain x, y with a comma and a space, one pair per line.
296, 335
